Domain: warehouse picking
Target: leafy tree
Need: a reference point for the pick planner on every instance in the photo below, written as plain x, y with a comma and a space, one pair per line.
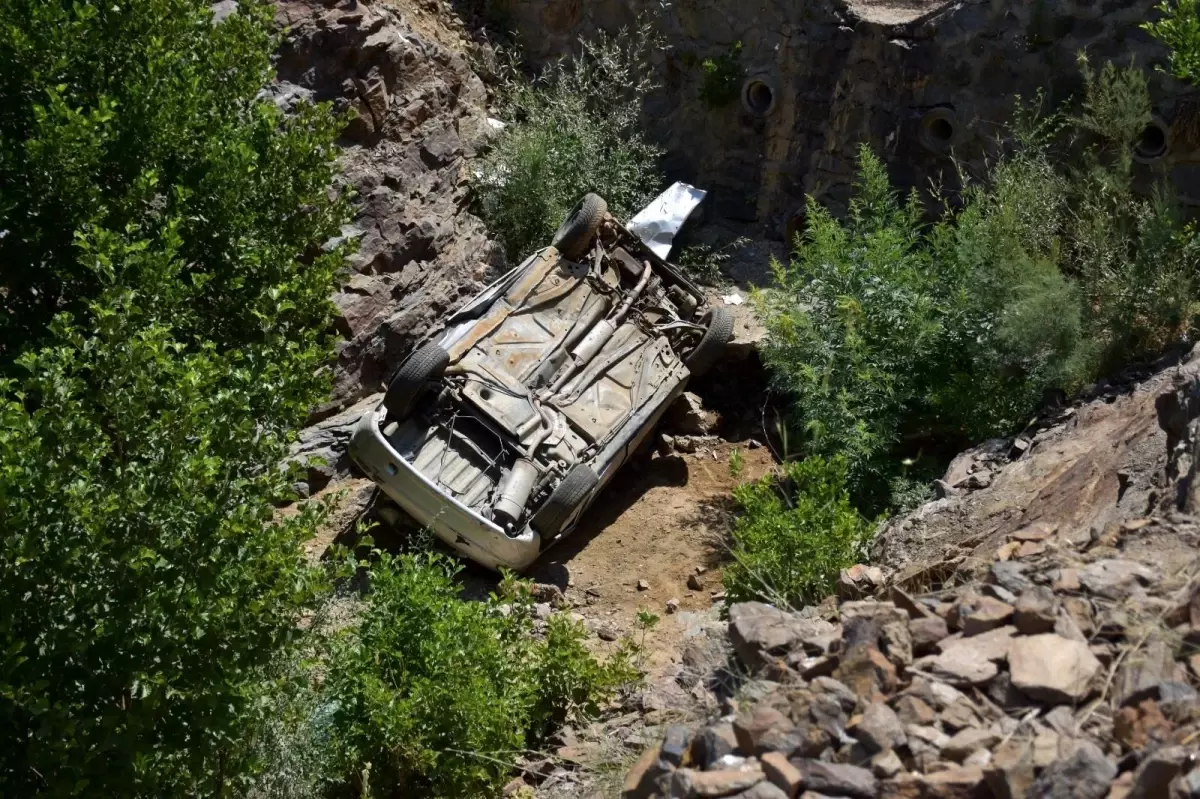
163, 321
898, 337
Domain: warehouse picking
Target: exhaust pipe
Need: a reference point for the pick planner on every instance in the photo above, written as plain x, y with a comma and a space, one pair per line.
599, 335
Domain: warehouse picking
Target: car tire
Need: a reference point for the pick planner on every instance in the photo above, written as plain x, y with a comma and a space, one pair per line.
581, 224
564, 500
412, 379
718, 332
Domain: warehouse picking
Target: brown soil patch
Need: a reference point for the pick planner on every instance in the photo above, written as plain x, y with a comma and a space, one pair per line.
658, 521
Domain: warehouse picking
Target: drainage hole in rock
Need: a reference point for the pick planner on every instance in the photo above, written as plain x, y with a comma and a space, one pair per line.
758, 97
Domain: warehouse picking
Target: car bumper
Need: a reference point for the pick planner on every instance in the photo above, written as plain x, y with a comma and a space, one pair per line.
458, 526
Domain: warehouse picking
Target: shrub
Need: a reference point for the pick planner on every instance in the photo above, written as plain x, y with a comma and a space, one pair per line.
163, 316
1179, 29
1134, 258
722, 77
437, 696
574, 129
896, 338
795, 535
704, 262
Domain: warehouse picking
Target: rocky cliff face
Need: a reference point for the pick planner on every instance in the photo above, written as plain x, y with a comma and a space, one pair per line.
420, 117
917, 80
1032, 633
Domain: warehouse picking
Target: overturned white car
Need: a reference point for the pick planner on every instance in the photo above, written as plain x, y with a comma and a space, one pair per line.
501, 428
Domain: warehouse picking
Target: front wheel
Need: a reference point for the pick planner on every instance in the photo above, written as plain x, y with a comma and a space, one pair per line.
576, 232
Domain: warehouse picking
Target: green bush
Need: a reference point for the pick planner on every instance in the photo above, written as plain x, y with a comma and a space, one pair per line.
722, 77
437, 696
704, 262
1179, 29
163, 320
794, 535
574, 129
896, 338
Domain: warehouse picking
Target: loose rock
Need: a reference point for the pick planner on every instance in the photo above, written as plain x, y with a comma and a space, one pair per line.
1086, 774
1036, 610
879, 728
688, 783
979, 614
837, 779
1051, 668
960, 666
1115, 579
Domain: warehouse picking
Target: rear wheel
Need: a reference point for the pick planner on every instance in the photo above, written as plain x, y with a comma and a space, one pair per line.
412, 379
574, 489
576, 232
718, 332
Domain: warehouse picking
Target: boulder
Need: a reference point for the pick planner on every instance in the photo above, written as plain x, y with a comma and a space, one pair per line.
782, 774
763, 790
925, 633
879, 728
759, 632
641, 780
837, 779
914, 710
1154, 775
960, 665
992, 645
687, 416
978, 614
1035, 611
967, 741
1115, 578
752, 727
712, 743
687, 783
1051, 668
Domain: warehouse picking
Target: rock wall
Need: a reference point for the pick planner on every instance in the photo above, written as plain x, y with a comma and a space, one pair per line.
420, 117
820, 78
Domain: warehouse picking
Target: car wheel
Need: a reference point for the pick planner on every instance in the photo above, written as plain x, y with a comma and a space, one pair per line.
718, 332
581, 224
564, 500
412, 379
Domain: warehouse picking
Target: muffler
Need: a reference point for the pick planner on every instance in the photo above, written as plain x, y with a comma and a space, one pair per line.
514, 493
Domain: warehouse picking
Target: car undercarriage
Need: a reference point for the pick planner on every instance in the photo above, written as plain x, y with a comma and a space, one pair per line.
538, 390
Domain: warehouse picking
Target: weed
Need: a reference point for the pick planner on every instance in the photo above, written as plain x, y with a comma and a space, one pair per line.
438, 695
737, 463
574, 129
705, 263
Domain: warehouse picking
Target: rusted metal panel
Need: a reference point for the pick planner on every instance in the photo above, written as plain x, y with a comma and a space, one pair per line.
626, 372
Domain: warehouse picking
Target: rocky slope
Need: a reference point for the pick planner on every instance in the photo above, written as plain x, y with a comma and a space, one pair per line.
419, 118
1035, 632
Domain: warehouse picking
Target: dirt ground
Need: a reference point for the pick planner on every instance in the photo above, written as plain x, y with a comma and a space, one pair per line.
663, 520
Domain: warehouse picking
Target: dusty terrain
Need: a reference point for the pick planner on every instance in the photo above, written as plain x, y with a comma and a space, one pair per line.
661, 523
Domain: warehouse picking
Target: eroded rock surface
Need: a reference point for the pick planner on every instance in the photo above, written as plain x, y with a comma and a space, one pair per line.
1079, 476
1050, 624
420, 117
